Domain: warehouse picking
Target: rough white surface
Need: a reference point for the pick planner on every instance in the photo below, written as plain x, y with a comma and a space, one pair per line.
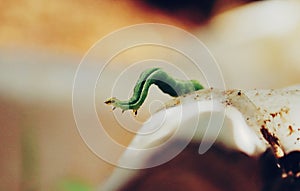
246, 112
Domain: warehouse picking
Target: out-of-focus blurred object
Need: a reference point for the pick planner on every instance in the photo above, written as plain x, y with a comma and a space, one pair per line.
193, 11
257, 45
220, 169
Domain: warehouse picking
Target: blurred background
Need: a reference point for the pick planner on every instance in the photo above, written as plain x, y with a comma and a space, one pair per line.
256, 44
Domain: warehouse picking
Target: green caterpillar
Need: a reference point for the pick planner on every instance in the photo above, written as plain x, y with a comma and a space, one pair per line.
165, 83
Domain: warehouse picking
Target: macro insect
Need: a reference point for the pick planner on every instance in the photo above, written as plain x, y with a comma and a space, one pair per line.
160, 78
264, 124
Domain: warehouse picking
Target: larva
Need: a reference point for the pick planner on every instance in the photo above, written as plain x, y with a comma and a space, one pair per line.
156, 76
